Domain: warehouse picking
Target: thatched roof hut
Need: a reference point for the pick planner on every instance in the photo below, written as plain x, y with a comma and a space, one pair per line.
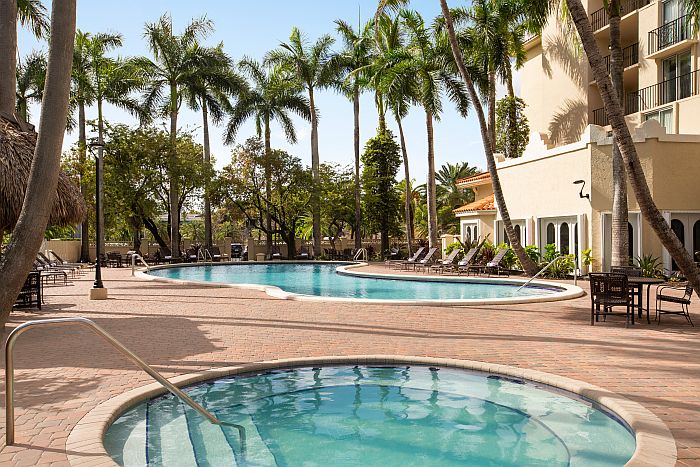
17, 144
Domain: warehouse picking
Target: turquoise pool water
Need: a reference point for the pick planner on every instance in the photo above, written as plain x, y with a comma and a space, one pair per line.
371, 416
323, 280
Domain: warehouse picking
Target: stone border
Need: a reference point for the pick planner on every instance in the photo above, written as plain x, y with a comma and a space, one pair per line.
655, 445
567, 292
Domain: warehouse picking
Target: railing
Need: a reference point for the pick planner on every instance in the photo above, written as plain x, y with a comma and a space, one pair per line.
630, 56
600, 18
361, 253
202, 254
664, 92
134, 257
10, 369
669, 34
600, 117
541, 271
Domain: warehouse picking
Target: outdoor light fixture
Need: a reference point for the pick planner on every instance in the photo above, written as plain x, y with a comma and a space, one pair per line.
98, 291
583, 184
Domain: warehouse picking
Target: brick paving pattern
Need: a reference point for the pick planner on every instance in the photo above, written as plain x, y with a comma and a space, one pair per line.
62, 373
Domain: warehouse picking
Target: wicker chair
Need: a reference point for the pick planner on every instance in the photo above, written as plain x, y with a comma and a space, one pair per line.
684, 301
608, 291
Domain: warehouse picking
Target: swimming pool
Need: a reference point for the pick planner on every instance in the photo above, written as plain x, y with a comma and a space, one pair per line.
341, 281
365, 415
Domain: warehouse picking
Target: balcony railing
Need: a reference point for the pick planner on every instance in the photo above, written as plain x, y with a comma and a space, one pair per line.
600, 18
665, 92
669, 34
601, 118
630, 56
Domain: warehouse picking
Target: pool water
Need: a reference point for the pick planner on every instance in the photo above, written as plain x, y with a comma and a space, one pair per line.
323, 280
367, 416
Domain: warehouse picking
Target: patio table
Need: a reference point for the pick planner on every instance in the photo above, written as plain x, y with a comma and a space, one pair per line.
638, 283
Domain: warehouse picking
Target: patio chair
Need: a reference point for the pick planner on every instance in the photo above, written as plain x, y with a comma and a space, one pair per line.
427, 260
447, 263
662, 296
416, 256
69, 263
215, 254
46, 272
165, 258
275, 253
114, 259
608, 291
467, 262
30, 295
493, 266
303, 252
47, 263
191, 255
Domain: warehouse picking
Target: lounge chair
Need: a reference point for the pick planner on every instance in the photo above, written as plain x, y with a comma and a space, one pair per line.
447, 263
42, 258
467, 261
191, 255
427, 260
165, 258
275, 254
30, 295
47, 272
416, 256
303, 253
215, 254
493, 266
69, 263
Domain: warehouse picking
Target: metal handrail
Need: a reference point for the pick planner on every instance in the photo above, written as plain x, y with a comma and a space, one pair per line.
362, 252
541, 271
203, 252
10, 370
133, 263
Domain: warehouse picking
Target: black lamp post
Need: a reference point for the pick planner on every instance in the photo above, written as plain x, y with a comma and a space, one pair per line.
98, 214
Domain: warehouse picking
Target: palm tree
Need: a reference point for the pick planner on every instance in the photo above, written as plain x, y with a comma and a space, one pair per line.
32, 14
311, 65
29, 231
178, 60
356, 55
448, 193
209, 91
31, 77
272, 97
424, 58
621, 133
528, 265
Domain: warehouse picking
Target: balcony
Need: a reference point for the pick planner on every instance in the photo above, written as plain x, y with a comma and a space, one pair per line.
600, 18
630, 56
663, 93
600, 118
671, 34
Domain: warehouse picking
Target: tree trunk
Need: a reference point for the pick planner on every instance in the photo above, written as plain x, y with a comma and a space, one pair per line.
356, 137
492, 109
315, 195
512, 117
268, 191
409, 191
615, 115
379, 101
620, 235
43, 176
529, 266
82, 158
431, 189
173, 181
153, 228
8, 56
208, 240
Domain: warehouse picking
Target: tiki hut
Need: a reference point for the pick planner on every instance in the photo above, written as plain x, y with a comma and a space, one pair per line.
17, 142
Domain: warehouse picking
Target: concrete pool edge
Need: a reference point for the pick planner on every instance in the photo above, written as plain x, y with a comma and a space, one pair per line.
655, 445
567, 291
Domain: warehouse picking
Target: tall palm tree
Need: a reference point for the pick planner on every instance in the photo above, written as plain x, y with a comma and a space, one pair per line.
210, 91
311, 65
621, 133
424, 58
272, 96
178, 59
448, 193
528, 265
43, 177
31, 77
355, 56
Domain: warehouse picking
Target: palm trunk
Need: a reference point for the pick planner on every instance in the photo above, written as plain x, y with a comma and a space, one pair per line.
268, 191
409, 220
82, 156
511, 150
620, 235
615, 114
43, 176
356, 137
208, 240
379, 101
492, 109
173, 182
315, 198
22, 110
8, 56
431, 189
528, 265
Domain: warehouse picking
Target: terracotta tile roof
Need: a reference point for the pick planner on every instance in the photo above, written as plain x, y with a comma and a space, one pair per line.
485, 204
479, 179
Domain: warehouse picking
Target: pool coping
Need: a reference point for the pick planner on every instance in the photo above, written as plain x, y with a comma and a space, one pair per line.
568, 291
655, 445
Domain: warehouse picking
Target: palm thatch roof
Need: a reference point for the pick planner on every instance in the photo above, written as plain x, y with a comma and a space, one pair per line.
17, 143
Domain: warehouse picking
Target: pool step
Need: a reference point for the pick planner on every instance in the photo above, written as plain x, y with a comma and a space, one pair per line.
244, 438
209, 444
134, 452
168, 441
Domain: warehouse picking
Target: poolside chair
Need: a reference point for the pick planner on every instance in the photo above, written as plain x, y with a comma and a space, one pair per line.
608, 291
42, 258
416, 256
494, 266
69, 263
30, 295
682, 300
163, 257
467, 262
215, 254
427, 260
191, 255
447, 263
46, 273
303, 252
275, 253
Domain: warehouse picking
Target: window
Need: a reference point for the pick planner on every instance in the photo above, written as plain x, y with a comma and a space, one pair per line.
663, 116
672, 10
564, 238
517, 233
679, 229
469, 232
550, 234
677, 83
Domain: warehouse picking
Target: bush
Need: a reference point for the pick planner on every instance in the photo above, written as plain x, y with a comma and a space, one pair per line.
509, 260
487, 252
455, 246
651, 266
562, 267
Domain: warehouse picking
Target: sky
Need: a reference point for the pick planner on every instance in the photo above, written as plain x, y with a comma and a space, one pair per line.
251, 28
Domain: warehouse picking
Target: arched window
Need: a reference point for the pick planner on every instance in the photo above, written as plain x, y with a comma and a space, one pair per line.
550, 234
506, 240
630, 241
467, 234
696, 240
564, 238
679, 229
517, 233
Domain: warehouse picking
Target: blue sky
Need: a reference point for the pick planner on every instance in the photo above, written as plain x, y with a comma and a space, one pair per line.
251, 29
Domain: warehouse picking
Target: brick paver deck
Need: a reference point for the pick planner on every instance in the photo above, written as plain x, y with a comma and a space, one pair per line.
62, 373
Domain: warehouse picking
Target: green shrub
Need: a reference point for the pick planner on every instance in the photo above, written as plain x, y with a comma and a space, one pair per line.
487, 252
650, 265
455, 246
509, 260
